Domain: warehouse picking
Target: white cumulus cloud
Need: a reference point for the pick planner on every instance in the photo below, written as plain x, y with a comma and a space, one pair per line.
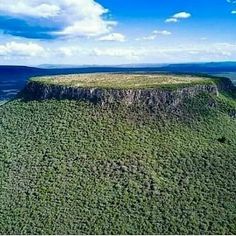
21, 49
161, 32
126, 53
88, 27
178, 16
181, 15
171, 20
71, 18
154, 35
113, 37
29, 8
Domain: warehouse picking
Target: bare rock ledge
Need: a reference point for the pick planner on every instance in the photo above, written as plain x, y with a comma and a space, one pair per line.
152, 97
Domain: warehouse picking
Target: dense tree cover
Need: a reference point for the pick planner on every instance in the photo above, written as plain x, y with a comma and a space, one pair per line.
70, 167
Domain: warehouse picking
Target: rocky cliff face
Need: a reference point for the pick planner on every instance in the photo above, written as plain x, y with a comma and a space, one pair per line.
151, 97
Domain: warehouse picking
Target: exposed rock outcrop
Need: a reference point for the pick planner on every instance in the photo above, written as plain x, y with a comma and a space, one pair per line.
157, 97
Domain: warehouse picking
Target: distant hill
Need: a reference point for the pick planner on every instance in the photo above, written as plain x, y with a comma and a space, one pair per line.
181, 67
53, 66
203, 67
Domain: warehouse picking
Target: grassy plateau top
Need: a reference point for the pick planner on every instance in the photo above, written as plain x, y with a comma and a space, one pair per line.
123, 81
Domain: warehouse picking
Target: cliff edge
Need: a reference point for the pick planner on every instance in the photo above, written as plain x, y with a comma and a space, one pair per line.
151, 89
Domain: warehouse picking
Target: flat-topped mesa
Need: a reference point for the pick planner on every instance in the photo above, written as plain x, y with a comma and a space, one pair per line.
150, 89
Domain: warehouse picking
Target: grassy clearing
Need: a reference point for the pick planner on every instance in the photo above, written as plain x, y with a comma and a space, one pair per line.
123, 81
69, 167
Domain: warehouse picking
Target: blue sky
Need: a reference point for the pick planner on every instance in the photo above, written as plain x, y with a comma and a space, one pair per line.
80, 32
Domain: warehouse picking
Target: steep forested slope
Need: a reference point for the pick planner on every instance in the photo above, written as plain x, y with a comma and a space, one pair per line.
73, 167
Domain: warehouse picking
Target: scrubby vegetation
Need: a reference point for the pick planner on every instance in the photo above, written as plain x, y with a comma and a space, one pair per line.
71, 167
2, 102
124, 81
